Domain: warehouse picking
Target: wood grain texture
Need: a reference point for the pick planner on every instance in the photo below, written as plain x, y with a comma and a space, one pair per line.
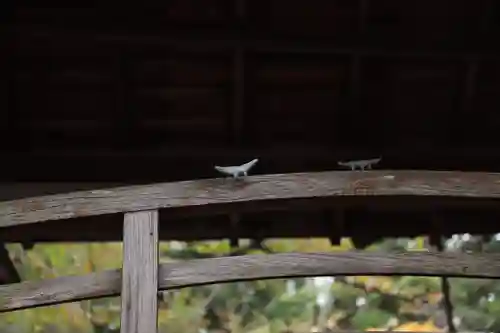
256, 190
206, 271
30, 294
140, 273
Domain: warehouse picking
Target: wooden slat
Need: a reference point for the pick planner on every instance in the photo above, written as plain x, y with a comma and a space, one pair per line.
249, 267
30, 294
255, 191
18, 190
140, 273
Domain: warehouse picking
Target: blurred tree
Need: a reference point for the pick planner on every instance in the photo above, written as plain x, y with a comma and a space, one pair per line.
271, 306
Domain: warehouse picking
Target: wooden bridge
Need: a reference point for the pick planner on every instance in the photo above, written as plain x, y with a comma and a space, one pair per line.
140, 209
159, 91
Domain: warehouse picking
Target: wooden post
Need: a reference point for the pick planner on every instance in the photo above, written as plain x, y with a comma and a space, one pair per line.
140, 273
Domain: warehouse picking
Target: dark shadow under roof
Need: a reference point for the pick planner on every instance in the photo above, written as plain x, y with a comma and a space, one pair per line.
162, 90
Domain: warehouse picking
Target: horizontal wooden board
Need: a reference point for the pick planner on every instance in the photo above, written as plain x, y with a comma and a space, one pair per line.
251, 267
64, 289
229, 195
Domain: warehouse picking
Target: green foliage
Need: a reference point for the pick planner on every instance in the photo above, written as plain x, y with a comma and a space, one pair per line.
367, 318
268, 306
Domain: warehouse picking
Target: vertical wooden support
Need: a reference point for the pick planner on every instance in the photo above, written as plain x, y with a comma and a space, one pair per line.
140, 273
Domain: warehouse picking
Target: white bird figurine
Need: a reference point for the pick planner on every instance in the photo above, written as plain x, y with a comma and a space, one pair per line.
238, 170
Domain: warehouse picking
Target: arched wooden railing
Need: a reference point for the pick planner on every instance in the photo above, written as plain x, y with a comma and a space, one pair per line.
255, 193
251, 267
141, 276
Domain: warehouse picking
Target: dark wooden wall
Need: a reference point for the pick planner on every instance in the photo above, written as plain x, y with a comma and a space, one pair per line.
163, 90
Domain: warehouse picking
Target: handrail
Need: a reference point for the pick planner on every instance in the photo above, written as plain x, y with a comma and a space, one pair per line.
231, 194
251, 267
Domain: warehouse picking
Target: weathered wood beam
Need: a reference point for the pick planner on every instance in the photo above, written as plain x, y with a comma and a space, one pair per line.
251, 267
140, 273
254, 193
18, 190
62, 289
